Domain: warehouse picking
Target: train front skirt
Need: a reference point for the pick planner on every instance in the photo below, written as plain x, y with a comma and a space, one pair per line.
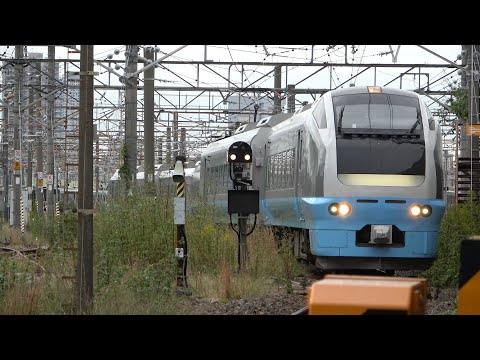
347, 241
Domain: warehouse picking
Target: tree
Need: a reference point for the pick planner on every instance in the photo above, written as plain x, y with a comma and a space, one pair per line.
459, 103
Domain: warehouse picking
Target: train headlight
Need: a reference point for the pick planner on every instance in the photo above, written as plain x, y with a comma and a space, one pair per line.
233, 157
415, 210
426, 210
344, 209
247, 157
333, 209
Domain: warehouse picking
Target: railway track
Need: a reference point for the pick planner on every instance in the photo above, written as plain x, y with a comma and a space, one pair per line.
302, 311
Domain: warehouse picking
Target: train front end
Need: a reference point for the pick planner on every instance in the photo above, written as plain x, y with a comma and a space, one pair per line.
383, 183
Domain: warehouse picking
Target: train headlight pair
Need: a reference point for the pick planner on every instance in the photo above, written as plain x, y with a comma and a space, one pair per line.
239, 152
417, 210
246, 157
342, 209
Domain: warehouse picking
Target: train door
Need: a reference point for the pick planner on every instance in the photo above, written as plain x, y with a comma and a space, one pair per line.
299, 175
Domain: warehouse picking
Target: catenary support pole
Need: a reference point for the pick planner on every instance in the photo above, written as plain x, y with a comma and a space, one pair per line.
84, 276
50, 122
148, 120
131, 110
16, 136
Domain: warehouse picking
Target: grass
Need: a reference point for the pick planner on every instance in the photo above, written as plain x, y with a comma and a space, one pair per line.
135, 267
134, 260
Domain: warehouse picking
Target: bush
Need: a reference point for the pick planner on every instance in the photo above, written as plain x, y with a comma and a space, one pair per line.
458, 223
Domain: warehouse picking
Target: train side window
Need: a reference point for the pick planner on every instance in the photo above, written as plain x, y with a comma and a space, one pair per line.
319, 114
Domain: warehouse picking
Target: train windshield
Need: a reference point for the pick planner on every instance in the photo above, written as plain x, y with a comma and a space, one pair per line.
380, 141
377, 111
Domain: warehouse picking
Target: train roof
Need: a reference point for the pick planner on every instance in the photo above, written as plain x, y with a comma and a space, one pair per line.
364, 90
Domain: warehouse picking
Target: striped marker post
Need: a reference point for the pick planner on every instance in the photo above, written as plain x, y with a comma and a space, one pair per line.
179, 220
57, 215
22, 217
181, 189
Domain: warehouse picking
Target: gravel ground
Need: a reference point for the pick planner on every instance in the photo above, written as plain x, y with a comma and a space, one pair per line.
439, 302
278, 304
442, 302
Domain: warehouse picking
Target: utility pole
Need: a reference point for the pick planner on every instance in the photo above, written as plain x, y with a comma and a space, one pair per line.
469, 144
175, 135
169, 146
183, 142
16, 136
30, 133
160, 151
291, 97
97, 160
473, 96
6, 172
468, 169
131, 110
277, 101
31, 97
148, 118
50, 122
39, 186
83, 299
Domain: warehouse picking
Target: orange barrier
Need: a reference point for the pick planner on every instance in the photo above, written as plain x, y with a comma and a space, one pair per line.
364, 295
469, 277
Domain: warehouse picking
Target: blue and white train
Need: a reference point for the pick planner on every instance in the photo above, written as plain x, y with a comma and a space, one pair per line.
355, 177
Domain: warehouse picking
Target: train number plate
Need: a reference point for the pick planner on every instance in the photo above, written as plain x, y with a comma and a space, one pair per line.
381, 234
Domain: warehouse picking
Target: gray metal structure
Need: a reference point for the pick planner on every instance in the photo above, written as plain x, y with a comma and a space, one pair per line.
213, 119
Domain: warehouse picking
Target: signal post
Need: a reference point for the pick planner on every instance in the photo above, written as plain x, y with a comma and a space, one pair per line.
241, 201
181, 251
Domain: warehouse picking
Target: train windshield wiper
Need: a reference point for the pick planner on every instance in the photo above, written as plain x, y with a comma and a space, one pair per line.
419, 118
340, 116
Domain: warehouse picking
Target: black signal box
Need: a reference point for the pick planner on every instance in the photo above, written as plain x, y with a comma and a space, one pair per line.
243, 201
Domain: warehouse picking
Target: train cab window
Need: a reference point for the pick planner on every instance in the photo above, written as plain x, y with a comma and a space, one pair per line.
377, 111
319, 114
351, 111
406, 112
380, 112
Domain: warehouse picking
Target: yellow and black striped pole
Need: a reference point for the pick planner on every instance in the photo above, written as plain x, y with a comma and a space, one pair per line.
57, 214
22, 216
469, 277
